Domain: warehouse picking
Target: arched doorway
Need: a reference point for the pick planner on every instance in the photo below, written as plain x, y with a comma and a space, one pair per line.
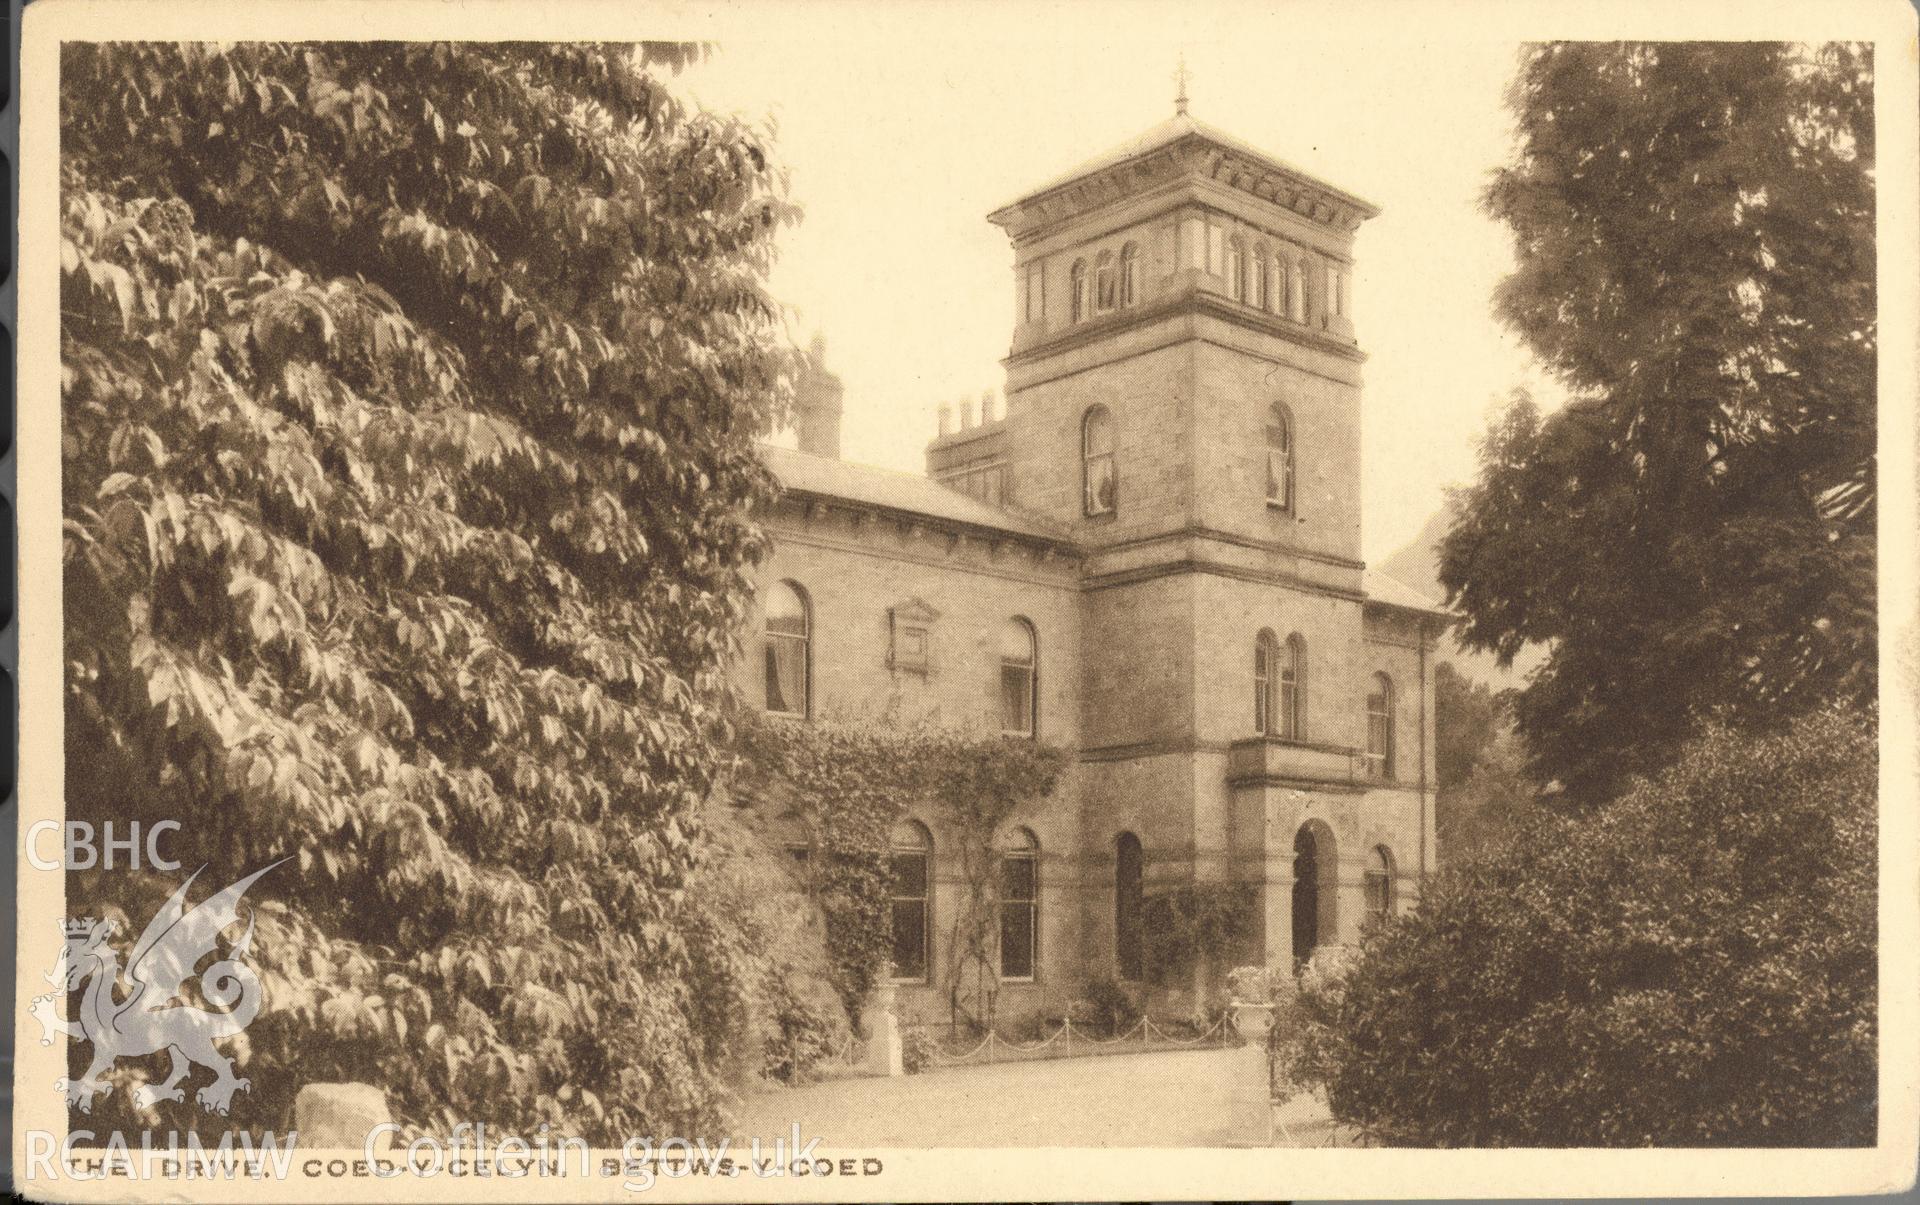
1126, 905
1314, 868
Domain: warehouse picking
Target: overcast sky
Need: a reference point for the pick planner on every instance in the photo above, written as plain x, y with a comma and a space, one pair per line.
902, 143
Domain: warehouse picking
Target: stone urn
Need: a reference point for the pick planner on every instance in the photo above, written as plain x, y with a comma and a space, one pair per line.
1251, 1019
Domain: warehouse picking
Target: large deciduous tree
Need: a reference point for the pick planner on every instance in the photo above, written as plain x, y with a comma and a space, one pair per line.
1695, 529
409, 398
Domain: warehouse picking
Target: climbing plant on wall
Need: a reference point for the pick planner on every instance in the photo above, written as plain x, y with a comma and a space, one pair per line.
852, 782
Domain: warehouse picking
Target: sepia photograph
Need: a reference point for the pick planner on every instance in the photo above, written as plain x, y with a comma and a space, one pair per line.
949, 602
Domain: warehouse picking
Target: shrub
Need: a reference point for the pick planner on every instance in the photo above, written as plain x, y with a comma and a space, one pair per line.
1111, 1005
1689, 964
917, 1048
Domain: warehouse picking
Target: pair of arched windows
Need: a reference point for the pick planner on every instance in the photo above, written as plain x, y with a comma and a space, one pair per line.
788, 662
912, 903
1279, 687
1111, 284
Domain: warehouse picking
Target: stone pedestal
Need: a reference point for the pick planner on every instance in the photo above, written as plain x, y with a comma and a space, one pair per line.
332, 1116
883, 1031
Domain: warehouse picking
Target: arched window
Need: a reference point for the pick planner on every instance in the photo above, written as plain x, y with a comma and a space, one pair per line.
1276, 290
1296, 293
789, 653
1127, 866
1077, 285
1099, 483
1380, 727
1019, 905
1018, 661
1129, 274
1280, 460
1236, 269
912, 862
1103, 281
1293, 690
1257, 278
1380, 883
1266, 658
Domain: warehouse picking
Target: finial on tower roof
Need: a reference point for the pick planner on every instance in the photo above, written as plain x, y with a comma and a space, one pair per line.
1180, 77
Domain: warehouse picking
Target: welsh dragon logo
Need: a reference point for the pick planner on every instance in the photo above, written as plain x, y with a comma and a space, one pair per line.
152, 1016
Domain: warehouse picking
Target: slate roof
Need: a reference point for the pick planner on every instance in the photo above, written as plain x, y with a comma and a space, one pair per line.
905, 493
1392, 592
891, 489
1172, 130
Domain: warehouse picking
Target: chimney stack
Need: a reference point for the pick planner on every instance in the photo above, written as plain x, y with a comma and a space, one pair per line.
946, 417
817, 403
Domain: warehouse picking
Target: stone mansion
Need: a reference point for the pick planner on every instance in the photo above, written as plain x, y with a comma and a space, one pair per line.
1151, 559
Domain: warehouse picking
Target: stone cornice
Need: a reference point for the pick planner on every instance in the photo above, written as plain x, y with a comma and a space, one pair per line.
1193, 154
1183, 565
1189, 301
810, 507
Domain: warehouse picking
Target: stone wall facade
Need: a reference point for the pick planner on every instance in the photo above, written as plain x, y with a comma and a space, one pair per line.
1147, 616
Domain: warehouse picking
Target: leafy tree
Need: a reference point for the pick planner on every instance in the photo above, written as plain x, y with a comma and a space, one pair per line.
409, 396
1692, 964
1467, 717
1484, 789
1694, 233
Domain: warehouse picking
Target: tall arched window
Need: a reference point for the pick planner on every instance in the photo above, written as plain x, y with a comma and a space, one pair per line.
912, 863
1266, 657
1236, 269
1129, 274
1019, 905
1380, 902
1257, 278
1018, 678
1127, 866
1103, 281
1077, 286
1279, 458
1293, 689
1276, 290
789, 650
1296, 293
1380, 727
1098, 480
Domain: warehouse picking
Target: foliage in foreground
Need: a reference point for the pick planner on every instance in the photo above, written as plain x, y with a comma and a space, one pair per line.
409, 397
1694, 530
1690, 964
